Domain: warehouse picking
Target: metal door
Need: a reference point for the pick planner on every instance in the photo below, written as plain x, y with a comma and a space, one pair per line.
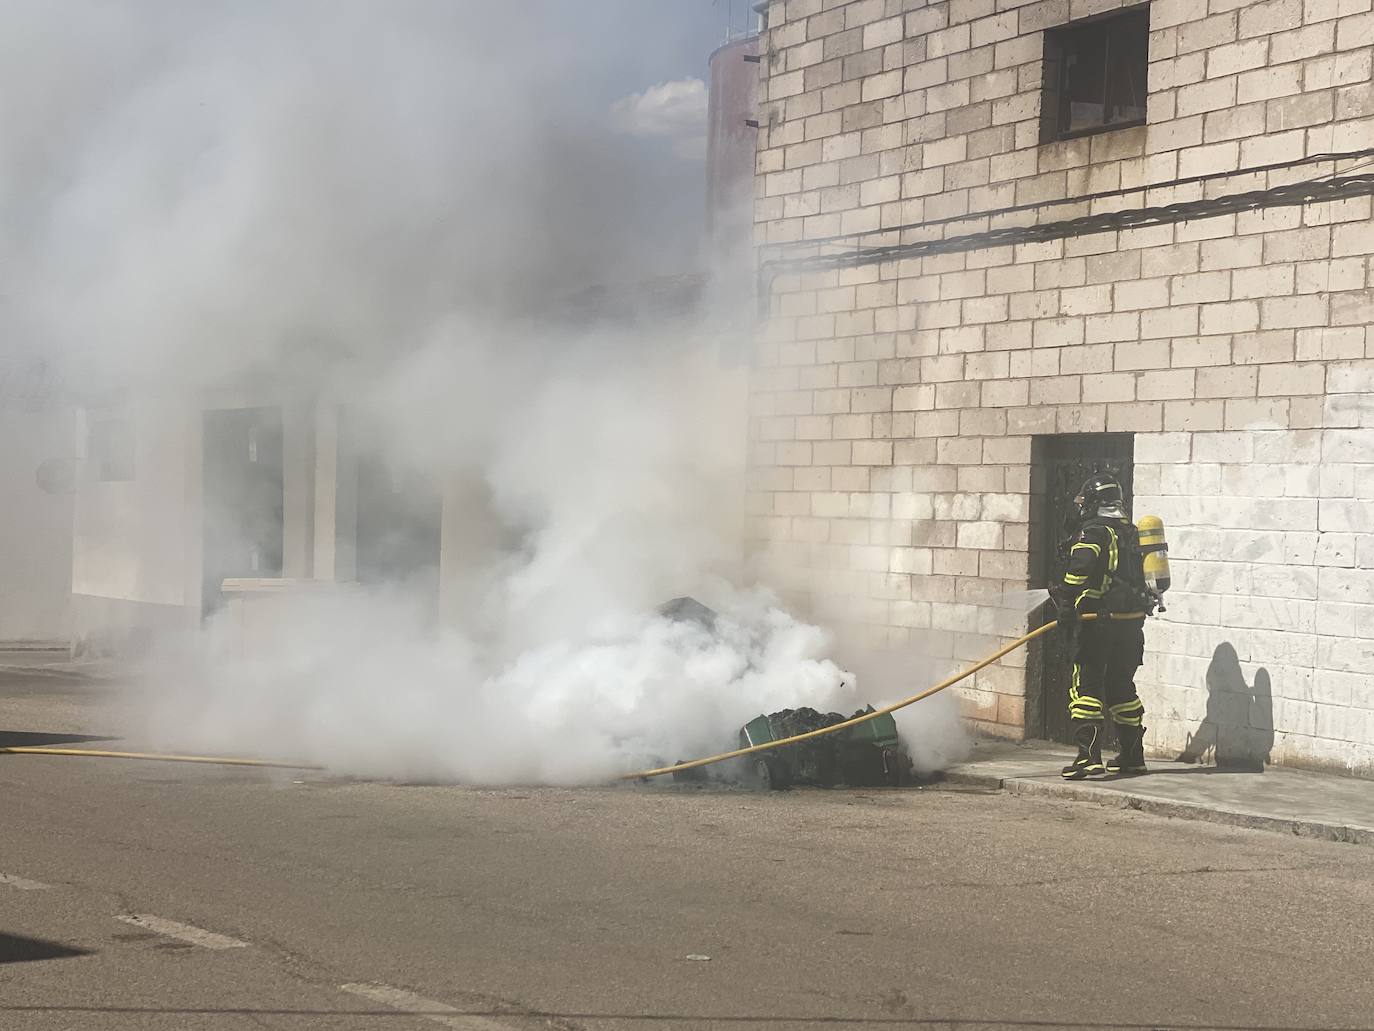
1059, 465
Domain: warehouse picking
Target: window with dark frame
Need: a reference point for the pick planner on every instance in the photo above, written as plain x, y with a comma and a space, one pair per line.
1096, 75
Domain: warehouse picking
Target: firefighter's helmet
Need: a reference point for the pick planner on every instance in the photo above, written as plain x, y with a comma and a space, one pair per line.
1100, 490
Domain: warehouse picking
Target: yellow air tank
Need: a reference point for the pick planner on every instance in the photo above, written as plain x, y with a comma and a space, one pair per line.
1154, 551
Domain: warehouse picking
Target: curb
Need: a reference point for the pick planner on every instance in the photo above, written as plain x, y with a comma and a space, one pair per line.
1300, 828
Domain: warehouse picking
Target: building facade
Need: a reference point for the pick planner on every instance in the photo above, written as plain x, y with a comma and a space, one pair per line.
1001, 243
244, 503
36, 519
177, 494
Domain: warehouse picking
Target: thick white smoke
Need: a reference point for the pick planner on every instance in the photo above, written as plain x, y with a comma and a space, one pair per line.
613, 478
377, 202
354, 686
195, 192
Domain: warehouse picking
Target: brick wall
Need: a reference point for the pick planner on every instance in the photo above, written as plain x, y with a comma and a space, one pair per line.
891, 112
894, 404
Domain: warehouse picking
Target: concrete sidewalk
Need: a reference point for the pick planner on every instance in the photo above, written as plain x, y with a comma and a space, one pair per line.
1311, 805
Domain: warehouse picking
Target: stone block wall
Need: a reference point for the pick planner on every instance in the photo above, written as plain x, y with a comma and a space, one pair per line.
1275, 529
894, 404
883, 113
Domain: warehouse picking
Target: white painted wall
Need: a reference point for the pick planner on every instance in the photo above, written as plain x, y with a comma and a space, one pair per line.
35, 527
138, 540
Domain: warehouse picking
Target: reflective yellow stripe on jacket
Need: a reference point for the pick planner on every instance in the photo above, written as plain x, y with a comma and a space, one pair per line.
1112, 557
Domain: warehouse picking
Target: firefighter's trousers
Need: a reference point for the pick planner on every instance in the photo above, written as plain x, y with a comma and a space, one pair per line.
1108, 654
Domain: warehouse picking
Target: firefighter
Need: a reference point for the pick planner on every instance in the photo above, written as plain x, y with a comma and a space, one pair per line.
1104, 576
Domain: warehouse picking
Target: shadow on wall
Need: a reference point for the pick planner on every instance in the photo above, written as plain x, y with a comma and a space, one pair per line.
1238, 730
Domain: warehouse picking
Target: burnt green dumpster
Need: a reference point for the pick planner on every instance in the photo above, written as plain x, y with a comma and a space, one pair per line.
867, 755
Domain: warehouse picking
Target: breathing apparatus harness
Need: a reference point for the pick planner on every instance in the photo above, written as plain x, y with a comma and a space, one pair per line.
1133, 559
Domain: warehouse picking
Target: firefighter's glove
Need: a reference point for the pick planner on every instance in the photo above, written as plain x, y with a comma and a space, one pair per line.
1068, 623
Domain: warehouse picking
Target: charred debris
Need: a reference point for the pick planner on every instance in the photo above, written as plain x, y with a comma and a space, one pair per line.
870, 754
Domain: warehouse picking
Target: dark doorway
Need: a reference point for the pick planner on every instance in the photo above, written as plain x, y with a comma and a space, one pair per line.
1059, 465
243, 498
398, 531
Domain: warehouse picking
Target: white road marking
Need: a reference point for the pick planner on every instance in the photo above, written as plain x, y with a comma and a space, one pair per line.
436, 1012
183, 932
9, 880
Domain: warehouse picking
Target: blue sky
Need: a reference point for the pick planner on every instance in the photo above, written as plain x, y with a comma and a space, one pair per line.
642, 42
653, 176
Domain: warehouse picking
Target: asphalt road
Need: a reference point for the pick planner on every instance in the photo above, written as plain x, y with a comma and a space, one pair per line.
138, 895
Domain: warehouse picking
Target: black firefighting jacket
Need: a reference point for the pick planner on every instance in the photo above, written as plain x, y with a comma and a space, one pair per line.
1104, 573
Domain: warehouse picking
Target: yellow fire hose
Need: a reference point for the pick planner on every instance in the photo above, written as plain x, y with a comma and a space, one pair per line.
642, 775
158, 757
768, 746
856, 721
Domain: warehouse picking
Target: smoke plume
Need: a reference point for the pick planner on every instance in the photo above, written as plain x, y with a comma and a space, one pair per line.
391, 203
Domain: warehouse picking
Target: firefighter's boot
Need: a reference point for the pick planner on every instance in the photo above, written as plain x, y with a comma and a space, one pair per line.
1087, 734
1131, 759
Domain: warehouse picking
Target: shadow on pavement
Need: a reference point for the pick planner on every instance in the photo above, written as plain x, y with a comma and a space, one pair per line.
11, 674
39, 738
15, 948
